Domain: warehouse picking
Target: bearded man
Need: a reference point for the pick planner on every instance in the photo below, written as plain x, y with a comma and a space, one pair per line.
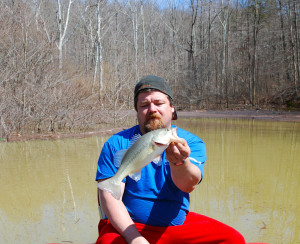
155, 209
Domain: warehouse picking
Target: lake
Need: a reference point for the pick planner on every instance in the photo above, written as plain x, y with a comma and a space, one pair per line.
251, 182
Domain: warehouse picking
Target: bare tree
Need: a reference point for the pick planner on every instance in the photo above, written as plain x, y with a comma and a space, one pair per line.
224, 21
283, 40
293, 39
99, 57
62, 25
134, 20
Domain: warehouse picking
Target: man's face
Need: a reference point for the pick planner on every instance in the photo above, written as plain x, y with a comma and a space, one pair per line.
153, 111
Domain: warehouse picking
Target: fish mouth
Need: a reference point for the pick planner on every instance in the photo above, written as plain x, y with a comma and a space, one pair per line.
160, 144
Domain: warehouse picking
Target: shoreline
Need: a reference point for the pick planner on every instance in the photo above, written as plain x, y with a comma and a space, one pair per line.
283, 116
290, 116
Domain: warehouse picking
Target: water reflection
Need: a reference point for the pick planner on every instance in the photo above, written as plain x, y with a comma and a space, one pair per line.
251, 182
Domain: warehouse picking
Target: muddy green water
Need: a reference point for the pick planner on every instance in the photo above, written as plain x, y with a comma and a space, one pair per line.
251, 182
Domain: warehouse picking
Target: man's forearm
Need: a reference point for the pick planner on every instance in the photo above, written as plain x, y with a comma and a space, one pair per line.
119, 217
185, 176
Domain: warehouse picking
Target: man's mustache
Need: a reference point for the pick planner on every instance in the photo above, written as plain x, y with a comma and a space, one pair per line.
153, 116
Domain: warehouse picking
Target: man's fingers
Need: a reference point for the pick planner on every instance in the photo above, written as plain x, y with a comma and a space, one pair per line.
178, 151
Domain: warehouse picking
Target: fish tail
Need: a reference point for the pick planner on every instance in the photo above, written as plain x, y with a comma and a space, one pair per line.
110, 186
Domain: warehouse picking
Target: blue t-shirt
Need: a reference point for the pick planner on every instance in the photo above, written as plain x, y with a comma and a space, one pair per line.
154, 199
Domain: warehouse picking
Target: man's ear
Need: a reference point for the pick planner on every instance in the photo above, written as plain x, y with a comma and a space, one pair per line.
174, 113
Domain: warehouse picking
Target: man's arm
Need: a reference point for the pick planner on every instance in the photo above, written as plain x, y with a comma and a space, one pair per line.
185, 175
119, 217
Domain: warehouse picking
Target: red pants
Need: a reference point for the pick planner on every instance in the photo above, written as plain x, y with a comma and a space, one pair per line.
196, 229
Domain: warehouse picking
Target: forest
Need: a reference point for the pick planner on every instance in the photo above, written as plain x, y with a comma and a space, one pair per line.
70, 65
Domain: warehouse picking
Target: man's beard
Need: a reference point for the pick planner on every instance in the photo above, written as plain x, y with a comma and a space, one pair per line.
153, 122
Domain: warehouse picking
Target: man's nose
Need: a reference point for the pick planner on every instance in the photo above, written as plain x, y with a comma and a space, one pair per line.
152, 107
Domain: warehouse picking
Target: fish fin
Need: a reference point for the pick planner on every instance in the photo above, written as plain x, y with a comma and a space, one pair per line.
118, 157
157, 160
110, 186
136, 176
134, 139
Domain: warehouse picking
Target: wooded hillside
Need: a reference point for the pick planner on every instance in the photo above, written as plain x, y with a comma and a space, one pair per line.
68, 64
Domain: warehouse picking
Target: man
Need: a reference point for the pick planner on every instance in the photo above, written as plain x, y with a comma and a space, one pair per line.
155, 209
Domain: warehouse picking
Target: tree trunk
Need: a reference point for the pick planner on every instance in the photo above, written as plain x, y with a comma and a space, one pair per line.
62, 30
284, 43
98, 57
254, 57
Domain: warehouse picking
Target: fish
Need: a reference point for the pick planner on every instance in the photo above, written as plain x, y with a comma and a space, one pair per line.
144, 150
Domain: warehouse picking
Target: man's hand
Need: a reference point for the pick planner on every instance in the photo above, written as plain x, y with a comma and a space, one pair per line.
185, 175
177, 153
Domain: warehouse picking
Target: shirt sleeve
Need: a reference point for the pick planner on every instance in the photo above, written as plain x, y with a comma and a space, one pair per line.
198, 153
197, 146
105, 167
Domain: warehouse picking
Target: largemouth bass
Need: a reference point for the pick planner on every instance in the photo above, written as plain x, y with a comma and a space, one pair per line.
146, 149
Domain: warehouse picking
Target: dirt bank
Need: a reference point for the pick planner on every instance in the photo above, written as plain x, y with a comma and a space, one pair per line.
241, 114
